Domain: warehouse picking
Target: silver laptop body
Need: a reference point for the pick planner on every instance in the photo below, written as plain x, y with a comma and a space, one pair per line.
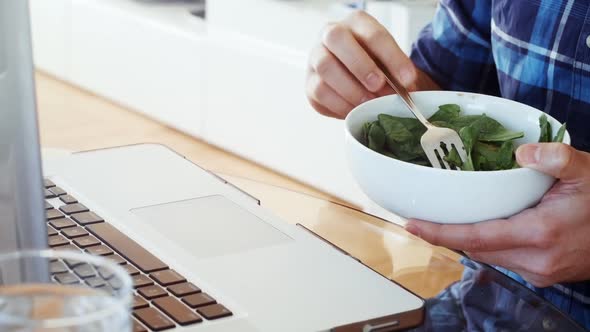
271, 275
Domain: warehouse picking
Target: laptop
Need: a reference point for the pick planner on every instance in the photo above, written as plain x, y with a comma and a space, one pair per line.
203, 255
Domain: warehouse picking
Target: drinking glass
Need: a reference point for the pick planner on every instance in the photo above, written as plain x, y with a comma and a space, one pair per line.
63, 291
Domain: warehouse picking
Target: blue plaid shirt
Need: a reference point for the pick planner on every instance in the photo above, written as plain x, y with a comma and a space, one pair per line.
534, 51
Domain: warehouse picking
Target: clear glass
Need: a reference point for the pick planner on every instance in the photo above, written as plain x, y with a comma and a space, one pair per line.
33, 299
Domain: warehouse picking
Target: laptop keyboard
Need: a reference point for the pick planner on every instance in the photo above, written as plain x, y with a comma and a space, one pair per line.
163, 299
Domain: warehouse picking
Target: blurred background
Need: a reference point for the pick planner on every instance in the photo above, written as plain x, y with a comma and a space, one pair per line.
228, 72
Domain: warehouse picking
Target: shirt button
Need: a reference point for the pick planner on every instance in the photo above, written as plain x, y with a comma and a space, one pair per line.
548, 323
588, 41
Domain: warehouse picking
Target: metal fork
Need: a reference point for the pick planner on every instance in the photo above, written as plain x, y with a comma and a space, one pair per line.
434, 136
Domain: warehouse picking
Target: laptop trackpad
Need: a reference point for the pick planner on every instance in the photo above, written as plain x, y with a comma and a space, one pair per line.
211, 226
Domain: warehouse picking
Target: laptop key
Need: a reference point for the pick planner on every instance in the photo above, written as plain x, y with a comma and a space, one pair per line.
53, 214
73, 208
68, 199
184, 289
72, 232
61, 223
100, 250
51, 231
86, 241
116, 283
95, 282
167, 277
72, 263
107, 289
198, 300
177, 311
117, 259
137, 327
58, 267
66, 278
57, 240
48, 194
68, 247
86, 218
139, 302
130, 269
127, 248
85, 271
57, 191
48, 183
214, 311
153, 319
105, 272
48, 206
141, 280
152, 292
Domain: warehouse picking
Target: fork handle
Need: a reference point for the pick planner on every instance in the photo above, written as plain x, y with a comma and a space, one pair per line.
403, 93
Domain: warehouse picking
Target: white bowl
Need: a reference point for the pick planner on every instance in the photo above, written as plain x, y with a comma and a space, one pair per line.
440, 195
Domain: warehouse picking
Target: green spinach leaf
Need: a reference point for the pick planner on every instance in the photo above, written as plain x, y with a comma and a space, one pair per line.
403, 136
505, 159
395, 129
491, 130
446, 113
463, 121
469, 137
487, 156
560, 134
365, 133
376, 137
453, 158
545, 126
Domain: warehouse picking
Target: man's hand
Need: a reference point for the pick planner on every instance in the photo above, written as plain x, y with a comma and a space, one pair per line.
342, 73
547, 244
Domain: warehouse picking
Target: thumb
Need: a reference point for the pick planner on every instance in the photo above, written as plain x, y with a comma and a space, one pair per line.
556, 159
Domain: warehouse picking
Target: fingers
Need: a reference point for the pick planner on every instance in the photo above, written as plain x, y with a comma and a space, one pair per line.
377, 41
509, 259
323, 111
333, 72
343, 65
339, 39
492, 235
534, 265
324, 99
342, 71
555, 159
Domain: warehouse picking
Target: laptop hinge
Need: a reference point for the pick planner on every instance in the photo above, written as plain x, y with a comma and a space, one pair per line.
324, 240
256, 200
396, 322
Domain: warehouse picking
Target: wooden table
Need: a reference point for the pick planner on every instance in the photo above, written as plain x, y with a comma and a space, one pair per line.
77, 120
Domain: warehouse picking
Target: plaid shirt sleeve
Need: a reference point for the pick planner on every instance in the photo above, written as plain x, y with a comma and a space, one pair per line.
455, 49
